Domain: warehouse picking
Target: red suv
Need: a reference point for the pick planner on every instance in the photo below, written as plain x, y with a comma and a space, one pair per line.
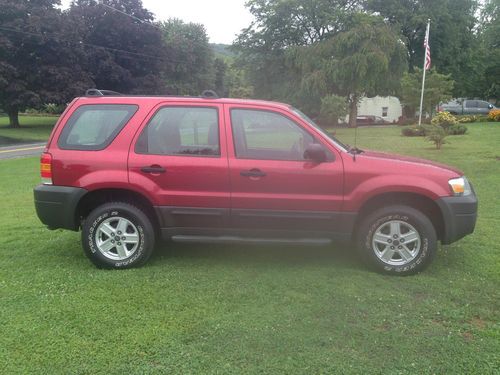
129, 170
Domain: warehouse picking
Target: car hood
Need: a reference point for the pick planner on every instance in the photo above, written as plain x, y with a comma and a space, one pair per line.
411, 160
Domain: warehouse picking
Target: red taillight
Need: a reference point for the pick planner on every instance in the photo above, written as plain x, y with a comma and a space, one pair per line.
46, 168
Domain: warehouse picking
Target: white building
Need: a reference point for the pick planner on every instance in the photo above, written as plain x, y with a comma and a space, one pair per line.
387, 107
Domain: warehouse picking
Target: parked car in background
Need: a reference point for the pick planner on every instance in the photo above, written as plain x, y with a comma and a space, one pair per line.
466, 107
371, 120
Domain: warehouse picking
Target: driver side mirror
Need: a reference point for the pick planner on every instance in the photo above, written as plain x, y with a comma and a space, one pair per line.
315, 152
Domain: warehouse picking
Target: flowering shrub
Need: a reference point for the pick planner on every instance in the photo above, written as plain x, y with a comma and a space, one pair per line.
442, 125
444, 119
467, 119
494, 115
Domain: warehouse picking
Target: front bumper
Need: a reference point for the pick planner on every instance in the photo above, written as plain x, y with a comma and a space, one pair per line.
56, 205
459, 214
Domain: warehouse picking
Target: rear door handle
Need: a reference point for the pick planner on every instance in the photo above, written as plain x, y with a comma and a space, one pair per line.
253, 173
153, 169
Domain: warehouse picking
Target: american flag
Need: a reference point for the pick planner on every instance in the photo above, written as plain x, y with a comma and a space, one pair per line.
427, 64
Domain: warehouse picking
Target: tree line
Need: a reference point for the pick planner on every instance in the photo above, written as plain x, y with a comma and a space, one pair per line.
322, 56
49, 55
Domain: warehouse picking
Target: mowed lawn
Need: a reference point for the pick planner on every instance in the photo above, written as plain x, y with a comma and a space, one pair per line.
33, 129
202, 309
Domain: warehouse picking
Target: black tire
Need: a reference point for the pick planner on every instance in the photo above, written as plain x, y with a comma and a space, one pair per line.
139, 232
415, 255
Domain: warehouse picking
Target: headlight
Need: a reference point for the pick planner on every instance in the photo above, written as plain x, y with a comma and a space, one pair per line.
460, 186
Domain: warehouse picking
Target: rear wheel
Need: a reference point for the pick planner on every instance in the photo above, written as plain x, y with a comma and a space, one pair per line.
118, 235
397, 240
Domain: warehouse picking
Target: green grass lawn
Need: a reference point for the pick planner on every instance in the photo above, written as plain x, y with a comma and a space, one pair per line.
202, 309
33, 129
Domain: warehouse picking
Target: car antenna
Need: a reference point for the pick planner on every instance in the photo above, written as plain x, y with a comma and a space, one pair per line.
355, 141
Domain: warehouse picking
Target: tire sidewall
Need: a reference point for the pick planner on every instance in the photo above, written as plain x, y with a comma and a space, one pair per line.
131, 213
420, 222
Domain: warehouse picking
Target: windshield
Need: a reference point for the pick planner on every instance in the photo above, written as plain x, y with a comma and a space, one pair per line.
330, 137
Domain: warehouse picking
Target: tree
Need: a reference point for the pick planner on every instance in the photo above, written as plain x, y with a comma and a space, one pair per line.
489, 36
124, 50
280, 25
438, 88
453, 42
220, 68
191, 69
38, 63
369, 59
333, 107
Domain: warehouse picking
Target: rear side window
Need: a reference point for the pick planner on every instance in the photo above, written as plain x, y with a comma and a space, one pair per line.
93, 127
181, 131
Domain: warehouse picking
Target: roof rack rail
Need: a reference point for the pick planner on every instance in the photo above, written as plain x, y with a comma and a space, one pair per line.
209, 94
96, 92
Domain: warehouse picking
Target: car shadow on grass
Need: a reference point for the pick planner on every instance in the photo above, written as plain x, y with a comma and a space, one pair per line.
341, 255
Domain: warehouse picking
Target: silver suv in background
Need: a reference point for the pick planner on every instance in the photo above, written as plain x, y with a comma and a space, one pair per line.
467, 107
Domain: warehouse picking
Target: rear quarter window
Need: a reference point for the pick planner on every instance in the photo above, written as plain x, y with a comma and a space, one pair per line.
93, 127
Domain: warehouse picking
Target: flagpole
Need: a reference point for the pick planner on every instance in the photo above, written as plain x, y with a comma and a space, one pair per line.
423, 77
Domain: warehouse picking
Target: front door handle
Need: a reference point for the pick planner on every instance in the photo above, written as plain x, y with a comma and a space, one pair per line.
153, 169
253, 173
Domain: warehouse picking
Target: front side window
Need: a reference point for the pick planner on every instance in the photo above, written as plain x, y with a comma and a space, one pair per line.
93, 127
181, 131
267, 135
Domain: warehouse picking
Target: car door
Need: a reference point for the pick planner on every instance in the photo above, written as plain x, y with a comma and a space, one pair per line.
272, 186
470, 107
179, 159
483, 107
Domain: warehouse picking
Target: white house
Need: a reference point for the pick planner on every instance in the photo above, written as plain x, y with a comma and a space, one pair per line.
387, 107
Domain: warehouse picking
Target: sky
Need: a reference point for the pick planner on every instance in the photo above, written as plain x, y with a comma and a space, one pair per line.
223, 19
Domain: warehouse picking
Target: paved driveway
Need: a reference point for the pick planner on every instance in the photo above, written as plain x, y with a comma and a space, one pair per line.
21, 150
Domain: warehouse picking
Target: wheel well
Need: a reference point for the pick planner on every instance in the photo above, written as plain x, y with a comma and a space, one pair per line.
421, 203
96, 198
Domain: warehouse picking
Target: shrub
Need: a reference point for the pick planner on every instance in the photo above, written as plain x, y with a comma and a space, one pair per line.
437, 135
31, 111
458, 129
482, 118
467, 119
53, 109
444, 119
413, 131
494, 115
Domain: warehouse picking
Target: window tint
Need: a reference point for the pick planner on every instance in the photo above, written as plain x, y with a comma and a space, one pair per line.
483, 104
471, 103
93, 127
181, 131
267, 135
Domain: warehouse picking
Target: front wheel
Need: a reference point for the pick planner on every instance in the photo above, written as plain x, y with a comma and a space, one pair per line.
397, 240
117, 235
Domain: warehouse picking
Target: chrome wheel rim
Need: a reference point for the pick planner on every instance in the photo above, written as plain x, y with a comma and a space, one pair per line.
396, 243
117, 238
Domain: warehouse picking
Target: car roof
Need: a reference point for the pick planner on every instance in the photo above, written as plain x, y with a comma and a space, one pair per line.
133, 99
